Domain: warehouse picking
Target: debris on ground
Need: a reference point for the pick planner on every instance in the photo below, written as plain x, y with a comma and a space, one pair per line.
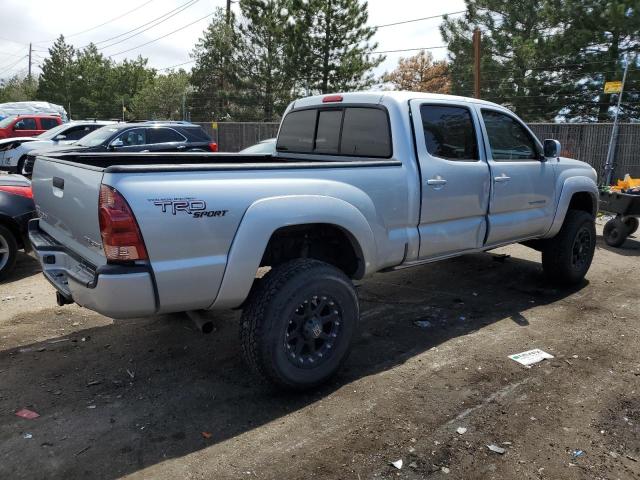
577, 453
79, 452
397, 464
206, 435
27, 435
530, 357
500, 257
422, 323
445, 470
461, 430
496, 449
28, 414
131, 374
94, 382
59, 340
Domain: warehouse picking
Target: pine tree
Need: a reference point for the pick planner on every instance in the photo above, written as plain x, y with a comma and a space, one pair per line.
216, 74
269, 67
56, 81
335, 44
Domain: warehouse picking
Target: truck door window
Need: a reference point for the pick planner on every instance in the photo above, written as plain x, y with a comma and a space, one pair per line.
76, 133
297, 131
26, 124
449, 132
508, 139
328, 134
133, 137
47, 123
365, 133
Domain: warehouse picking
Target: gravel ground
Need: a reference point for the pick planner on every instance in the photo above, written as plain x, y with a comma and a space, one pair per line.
152, 398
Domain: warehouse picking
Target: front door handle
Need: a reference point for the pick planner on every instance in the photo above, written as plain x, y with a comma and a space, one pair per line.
438, 181
502, 178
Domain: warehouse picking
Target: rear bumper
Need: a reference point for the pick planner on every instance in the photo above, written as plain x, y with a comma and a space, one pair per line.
112, 290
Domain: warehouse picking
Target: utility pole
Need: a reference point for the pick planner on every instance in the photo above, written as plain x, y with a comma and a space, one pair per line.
228, 12
476, 63
29, 76
124, 109
611, 152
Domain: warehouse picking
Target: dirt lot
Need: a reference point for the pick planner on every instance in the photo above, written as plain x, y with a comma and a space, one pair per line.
133, 398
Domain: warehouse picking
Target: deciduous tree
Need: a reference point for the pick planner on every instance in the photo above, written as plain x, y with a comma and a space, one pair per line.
420, 73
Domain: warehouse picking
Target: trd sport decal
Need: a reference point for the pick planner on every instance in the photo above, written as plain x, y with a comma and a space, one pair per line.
191, 206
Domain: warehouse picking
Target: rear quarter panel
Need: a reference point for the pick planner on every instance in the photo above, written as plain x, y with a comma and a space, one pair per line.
189, 254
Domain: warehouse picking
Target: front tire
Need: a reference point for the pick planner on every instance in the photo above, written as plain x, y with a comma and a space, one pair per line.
8, 251
566, 258
20, 165
297, 326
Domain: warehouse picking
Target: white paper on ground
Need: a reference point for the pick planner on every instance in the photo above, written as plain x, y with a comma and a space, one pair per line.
530, 356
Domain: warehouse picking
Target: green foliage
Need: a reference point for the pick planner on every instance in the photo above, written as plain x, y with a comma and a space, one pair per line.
162, 98
333, 43
18, 89
217, 74
270, 72
56, 81
545, 59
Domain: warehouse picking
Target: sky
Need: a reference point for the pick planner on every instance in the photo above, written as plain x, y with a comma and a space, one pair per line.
85, 21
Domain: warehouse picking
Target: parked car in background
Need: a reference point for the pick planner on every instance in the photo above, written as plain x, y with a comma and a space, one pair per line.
267, 146
16, 209
12, 159
27, 125
151, 136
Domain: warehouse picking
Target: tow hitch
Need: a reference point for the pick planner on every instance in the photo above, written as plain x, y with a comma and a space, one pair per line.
61, 300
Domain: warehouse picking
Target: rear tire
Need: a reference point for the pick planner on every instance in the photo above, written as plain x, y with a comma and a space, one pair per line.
20, 165
8, 252
566, 258
615, 232
298, 323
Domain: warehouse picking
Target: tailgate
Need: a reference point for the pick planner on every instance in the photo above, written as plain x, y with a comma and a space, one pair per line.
66, 197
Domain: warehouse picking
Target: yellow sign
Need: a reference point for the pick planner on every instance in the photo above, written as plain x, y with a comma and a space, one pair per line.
613, 87
214, 125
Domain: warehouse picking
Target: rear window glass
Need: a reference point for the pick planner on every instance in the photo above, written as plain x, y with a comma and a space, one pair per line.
296, 134
365, 132
352, 131
328, 134
449, 132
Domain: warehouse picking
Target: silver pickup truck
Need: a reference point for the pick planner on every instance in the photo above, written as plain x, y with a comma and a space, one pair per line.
360, 183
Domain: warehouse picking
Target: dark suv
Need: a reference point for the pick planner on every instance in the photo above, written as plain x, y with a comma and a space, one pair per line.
138, 137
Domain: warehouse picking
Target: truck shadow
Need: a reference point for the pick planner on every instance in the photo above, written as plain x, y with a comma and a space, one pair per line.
136, 393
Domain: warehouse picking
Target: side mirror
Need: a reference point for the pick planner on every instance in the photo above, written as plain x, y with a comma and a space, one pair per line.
551, 148
60, 137
116, 143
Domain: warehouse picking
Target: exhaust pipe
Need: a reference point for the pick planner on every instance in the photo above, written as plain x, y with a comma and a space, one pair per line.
61, 300
205, 325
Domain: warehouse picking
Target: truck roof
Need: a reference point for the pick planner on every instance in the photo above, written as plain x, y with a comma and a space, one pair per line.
400, 97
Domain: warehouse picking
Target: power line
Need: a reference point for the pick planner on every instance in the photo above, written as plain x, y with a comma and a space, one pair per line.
163, 36
10, 67
418, 19
176, 65
170, 14
101, 25
410, 49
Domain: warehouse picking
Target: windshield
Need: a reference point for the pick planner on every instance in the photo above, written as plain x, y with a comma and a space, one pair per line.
6, 121
96, 137
52, 133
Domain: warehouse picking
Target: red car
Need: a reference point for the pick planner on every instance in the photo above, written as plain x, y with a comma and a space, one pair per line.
27, 125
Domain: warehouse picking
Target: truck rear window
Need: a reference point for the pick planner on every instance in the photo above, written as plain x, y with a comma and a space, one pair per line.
351, 131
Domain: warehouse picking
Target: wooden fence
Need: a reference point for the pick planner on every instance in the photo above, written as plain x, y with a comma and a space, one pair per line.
584, 141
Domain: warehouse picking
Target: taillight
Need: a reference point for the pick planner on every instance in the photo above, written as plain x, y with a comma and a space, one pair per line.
121, 238
23, 191
213, 146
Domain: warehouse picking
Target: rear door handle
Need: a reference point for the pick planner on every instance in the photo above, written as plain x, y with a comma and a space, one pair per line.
502, 178
58, 182
436, 181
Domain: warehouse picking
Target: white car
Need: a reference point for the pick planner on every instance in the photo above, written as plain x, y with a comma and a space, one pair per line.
13, 151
